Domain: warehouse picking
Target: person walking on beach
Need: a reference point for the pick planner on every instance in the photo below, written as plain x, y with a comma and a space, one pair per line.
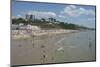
89, 43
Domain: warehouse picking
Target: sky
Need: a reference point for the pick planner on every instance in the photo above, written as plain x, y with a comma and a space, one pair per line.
69, 13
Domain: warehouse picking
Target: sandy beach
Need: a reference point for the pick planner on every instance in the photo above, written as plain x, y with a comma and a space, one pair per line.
40, 47
17, 34
52, 49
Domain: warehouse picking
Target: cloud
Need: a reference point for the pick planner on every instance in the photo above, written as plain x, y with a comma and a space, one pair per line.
40, 14
61, 16
76, 11
91, 19
13, 17
18, 16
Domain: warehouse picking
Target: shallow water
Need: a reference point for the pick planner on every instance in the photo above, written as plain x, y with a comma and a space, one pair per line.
77, 47
54, 49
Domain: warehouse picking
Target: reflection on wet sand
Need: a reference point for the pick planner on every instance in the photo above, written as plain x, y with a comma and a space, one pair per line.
53, 49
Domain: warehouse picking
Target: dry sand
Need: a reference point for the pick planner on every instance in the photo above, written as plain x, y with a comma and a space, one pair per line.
18, 34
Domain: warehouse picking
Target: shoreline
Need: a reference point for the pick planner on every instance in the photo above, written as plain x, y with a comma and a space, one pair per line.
55, 48
24, 34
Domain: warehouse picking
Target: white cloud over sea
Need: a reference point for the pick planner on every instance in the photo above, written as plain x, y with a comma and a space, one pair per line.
76, 11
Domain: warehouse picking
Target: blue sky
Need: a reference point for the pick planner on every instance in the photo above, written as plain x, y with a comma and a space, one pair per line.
77, 14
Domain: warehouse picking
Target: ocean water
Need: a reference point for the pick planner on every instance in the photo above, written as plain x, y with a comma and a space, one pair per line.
72, 47
77, 47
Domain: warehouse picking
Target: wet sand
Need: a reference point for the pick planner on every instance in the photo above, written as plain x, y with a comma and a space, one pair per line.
51, 49
36, 50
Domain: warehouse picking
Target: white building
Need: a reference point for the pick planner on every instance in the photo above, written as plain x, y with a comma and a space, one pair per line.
25, 27
31, 27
